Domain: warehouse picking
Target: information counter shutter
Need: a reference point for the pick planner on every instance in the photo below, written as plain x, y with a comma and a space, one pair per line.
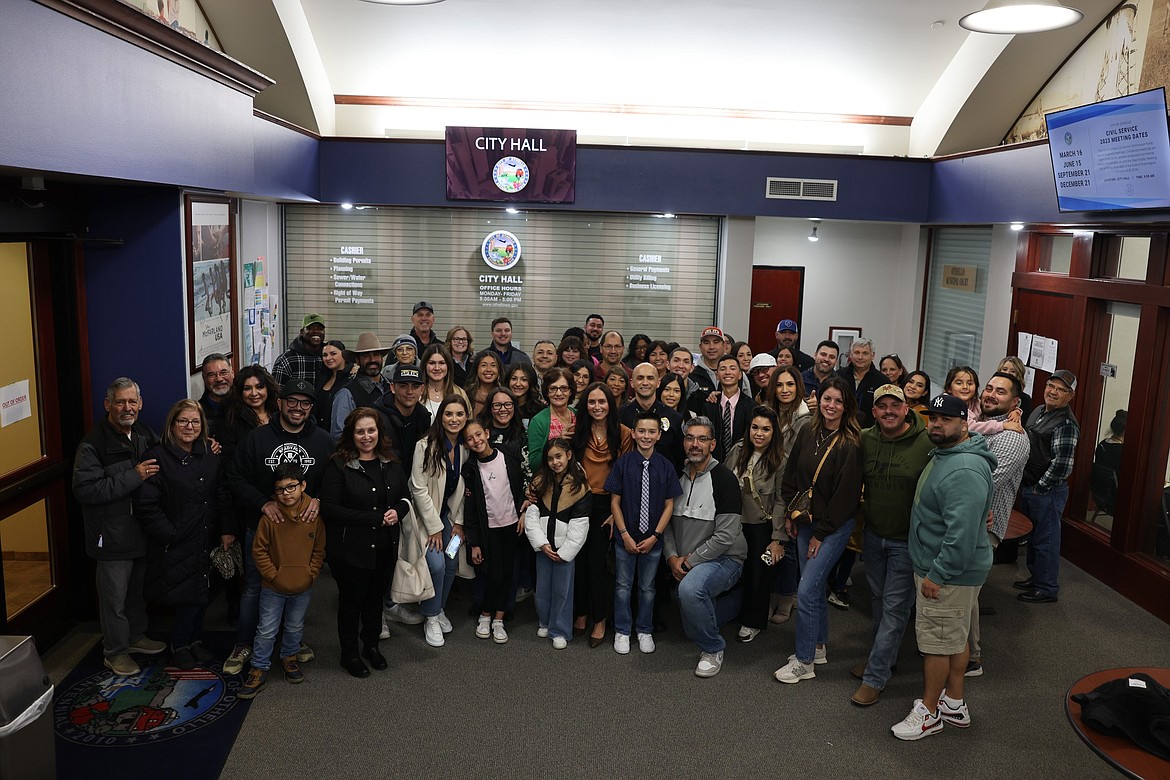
955, 302
364, 269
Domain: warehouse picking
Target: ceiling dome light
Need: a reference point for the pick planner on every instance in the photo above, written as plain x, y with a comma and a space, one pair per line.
1009, 17
1017, 226
813, 235
347, 205
402, 2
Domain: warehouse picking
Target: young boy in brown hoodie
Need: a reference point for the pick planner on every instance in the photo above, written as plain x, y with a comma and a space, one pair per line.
288, 556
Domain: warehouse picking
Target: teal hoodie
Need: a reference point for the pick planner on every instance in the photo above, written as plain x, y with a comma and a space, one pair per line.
948, 523
891, 468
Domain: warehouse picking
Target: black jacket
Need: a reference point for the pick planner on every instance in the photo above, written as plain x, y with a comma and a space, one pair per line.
670, 443
104, 481
355, 535
863, 391
249, 474
181, 509
475, 516
215, 412
740, 420
404, 431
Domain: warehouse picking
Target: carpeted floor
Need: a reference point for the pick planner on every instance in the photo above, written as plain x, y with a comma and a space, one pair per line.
473, 708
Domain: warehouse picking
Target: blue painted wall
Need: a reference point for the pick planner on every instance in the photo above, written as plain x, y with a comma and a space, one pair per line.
134, 295
644, 180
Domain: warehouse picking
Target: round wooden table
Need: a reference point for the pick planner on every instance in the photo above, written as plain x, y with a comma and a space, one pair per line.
1120, 753
1018, 525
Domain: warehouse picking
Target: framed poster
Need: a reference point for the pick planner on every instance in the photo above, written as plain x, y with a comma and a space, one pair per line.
844, 335
211, 276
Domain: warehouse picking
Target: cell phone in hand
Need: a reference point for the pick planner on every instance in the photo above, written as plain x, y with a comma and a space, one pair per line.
453, 546
767, 558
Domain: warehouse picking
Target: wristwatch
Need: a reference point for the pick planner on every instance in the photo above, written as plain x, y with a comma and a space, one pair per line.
657, 535
684, 565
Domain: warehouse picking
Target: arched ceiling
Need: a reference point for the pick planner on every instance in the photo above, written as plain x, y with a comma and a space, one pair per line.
849, 76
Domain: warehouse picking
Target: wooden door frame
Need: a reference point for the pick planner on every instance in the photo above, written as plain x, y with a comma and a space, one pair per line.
799, 304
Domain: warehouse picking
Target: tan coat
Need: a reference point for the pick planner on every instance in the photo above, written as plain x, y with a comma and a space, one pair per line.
426, 491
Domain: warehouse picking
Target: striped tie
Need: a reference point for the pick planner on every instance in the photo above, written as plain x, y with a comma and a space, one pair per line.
644, 508
726, 427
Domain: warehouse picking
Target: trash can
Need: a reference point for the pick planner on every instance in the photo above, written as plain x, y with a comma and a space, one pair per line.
27, 748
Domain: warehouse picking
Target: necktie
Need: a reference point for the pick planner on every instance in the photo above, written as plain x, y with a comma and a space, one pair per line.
644, 508
726, 426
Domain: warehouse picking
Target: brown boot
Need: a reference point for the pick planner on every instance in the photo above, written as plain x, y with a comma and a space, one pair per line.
858, 671
783, 610
865, 695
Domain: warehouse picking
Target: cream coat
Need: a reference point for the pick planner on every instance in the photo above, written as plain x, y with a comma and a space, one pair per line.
427, 492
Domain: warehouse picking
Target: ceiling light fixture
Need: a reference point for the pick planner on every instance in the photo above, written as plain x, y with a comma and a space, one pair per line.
347, 205
1017, 226
402, 2
813, 235
1010, 17
511, 210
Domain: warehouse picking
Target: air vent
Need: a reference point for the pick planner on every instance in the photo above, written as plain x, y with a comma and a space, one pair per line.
801, 189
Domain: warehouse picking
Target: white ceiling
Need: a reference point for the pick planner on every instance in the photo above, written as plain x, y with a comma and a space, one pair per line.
742, 74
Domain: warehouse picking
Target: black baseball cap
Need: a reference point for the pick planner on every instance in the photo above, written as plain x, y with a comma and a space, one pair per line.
298, 387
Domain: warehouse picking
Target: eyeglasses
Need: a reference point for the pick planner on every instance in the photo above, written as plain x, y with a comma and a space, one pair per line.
1057, 386
293, 403
504, 406
286, 489
459, 340
188, 423
558, 389
701, 439
225, 373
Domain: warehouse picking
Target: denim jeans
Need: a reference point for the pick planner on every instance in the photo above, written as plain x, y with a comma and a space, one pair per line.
812, 606
250, 596
273, 606
443, 570
633, 567
554, 595
1044, 550
703, 612
891, 581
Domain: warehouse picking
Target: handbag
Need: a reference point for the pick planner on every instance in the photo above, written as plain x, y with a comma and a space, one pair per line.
412, 579
800, 507
227, 563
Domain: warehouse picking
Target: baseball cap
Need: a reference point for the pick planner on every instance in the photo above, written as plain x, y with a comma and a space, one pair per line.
313, 319
406, 373
711, 331
946, 405
889, 389
787, 325
298, 387
763, 360
423, 305
1066, 376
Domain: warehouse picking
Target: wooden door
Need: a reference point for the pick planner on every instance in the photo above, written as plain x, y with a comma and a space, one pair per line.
777, 294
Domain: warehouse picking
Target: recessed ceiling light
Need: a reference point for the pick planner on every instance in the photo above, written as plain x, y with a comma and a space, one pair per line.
402, 2
347, 206
1017, 226
511, 210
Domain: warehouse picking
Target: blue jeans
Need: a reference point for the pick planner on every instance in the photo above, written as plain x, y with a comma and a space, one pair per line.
1044, 510
443, 570
273, 606
812, 607
703, 612
250, 596
554, 595
891, 581
643, 568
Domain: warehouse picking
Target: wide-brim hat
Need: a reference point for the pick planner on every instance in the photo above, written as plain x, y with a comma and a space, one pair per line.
366, 342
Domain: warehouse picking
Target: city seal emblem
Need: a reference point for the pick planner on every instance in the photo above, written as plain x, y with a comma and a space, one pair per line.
501, 250
510, 174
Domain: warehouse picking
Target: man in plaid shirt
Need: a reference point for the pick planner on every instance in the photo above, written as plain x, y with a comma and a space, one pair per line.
1011, 448
303, 359
1052, 433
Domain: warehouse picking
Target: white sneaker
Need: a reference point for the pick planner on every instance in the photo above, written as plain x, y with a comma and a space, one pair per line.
399, 613
483, 629
821, 656
560, 643
747, 634
433, 633
954, 716
621, 643
794, 671
499, 635
542, 632
709, 664
385, 633
918, 724
646, 643
444, 623
523, 594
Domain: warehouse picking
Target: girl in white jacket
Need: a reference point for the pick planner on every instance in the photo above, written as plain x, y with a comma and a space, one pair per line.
556, 525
